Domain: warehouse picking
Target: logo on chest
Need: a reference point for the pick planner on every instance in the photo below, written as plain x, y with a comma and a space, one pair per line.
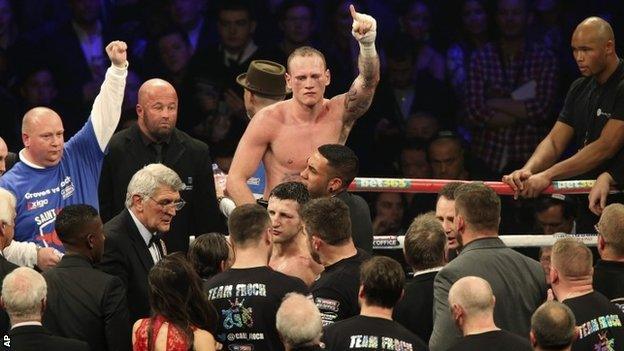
600, 112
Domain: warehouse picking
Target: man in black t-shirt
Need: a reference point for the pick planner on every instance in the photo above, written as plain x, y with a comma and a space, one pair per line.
382, 280
472, 306
599, 321
328, 228
609, 270
248, 294
553, 327
424, 246
592, 116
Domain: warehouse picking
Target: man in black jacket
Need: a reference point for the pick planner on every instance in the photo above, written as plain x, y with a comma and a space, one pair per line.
83, 302
7, 227
24, 297
155, 139
133, 237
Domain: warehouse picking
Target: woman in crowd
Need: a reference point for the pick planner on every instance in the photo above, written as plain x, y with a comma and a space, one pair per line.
182, 317
210, 254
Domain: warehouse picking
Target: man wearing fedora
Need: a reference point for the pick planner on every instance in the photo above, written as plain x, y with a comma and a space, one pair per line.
155, 139
264, 84
285, 134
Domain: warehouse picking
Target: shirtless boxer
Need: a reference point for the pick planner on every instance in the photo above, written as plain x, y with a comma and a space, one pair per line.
285, 134
291, 254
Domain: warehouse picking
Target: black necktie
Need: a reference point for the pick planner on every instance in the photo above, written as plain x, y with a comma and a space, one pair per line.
155, 240
158, 149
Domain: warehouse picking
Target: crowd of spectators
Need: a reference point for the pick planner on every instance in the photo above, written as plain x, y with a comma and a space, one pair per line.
52, 55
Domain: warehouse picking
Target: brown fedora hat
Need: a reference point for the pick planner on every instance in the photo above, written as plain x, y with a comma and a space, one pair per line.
265, 78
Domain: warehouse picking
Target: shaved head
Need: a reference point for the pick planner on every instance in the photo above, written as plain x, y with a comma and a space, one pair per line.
473, 294
598, 28
157, 109
152, 86
42, 135
37, 115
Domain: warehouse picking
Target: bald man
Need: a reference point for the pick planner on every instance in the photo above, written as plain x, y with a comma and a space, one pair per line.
592, 116
52, 174
472, 305
4, 152
155, 139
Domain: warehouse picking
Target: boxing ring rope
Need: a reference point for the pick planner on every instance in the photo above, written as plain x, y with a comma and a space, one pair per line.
397, 185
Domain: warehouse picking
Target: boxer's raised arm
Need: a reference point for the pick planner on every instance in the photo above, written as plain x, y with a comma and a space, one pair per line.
247, 157
359, 97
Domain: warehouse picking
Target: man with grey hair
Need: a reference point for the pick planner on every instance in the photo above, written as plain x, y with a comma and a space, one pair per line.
298, 322
7, 228
424, 249
134, 237
24, 298
609, 270
553, 327
472, 305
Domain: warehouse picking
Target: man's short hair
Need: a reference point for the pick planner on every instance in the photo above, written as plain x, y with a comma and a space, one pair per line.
328, 218
148, 179
298, 321
553, 325
425, 242
207, 252
295, 191
247, 223
382, 280
23, 291
304, 51
479, 205
568, 204
448, 190
342, 161
7, 206
236, 5
289, 4
611, 227
473, 294
572, 258
71, 221
171, 31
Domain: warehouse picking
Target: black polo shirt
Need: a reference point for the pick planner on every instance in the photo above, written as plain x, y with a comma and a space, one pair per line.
589, 105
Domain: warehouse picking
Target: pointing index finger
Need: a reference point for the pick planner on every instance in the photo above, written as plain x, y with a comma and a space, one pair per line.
354, 14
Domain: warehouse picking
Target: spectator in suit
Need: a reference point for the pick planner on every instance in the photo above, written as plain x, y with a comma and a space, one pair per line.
381, 286
133, 238
155, 139
553, 327
329, 171
609, 270
189, 15
298, 322
85, 303
327, 226
297, 21
424, 250
7, 227
516, 280
24, 298
472, 305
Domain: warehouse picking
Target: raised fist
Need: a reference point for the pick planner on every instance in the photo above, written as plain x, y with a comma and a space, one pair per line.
117, 53
364, 28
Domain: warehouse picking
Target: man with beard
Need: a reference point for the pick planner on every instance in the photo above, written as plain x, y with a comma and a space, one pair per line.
155, 139
290, 247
